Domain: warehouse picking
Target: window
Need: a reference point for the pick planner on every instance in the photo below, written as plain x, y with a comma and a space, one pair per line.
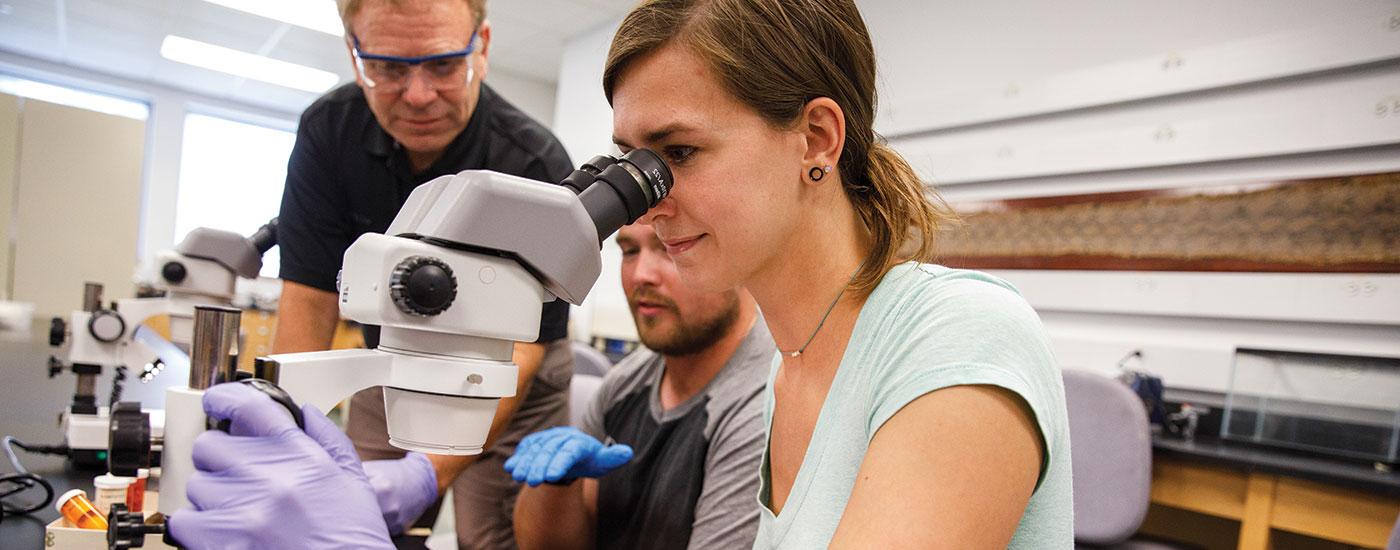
231, 178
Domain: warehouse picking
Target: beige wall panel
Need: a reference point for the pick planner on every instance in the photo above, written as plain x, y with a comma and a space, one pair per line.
9, 166
78, 206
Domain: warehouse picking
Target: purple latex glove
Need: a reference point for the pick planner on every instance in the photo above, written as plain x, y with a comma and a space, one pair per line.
405, 487
271, 485
563, 454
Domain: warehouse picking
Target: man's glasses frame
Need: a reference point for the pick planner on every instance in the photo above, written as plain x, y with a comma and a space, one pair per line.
361, 57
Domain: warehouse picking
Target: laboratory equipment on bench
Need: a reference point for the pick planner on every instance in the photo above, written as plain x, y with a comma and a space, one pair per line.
213, 360
459, 277
202, 270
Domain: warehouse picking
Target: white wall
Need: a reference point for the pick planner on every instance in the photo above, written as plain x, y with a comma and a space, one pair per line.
1005, 99
583, 122
533, 96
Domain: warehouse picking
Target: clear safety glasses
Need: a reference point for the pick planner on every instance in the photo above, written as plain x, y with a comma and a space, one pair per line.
390, 74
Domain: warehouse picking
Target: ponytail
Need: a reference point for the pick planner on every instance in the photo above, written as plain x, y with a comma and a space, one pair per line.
902, 215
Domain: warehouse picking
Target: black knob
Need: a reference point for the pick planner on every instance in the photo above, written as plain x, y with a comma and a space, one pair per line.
58, 331
173, 272
129, 529
423, 286
128, 439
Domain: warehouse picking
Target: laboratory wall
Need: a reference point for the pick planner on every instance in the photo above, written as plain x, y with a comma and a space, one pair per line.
76, 187
583, 122
1007, 100
9, 159
532, 96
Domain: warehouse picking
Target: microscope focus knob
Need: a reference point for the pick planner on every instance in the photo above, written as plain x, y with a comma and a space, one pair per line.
174, 272
422, 285
128, 439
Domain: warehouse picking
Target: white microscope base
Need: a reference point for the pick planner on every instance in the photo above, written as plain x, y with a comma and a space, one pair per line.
185, 421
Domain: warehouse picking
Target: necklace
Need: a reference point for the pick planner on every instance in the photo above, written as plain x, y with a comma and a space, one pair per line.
798, 351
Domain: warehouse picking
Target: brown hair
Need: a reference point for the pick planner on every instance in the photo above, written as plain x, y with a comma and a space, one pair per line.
348, 9
777, 55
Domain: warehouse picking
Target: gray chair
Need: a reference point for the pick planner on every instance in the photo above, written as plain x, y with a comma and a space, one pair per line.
589, 361
581, 391
1111, 447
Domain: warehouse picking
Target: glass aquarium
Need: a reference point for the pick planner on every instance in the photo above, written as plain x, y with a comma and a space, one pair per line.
1342, 405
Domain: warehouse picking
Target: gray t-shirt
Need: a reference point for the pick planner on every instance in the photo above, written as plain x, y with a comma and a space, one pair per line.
693, 479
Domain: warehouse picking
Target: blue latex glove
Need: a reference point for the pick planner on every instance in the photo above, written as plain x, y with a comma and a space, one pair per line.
405, 487
563, 454
271, 485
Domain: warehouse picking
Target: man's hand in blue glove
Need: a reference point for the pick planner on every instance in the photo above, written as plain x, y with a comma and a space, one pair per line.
268, 484
405, 487
562, 454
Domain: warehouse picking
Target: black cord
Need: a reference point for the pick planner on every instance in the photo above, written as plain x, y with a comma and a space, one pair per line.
22, 480
13, 484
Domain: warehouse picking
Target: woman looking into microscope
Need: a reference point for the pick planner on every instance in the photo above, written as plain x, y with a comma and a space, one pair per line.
912, 405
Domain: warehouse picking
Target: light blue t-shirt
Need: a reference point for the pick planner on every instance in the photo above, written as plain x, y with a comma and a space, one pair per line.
925, 327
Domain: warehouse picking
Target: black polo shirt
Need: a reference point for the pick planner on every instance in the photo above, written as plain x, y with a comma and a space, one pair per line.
347, 177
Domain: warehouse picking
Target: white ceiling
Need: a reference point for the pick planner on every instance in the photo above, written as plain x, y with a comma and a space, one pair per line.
123, 37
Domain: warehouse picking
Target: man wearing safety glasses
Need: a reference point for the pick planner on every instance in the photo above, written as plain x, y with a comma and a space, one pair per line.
418, 110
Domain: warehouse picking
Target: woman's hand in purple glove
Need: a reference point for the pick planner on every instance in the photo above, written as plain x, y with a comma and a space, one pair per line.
268, 484
562, 454
404, 487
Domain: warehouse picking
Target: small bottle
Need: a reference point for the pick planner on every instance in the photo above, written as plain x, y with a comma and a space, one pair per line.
136, 492
78, 510
110, 490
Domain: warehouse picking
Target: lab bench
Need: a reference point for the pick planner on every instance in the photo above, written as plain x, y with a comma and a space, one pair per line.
1266, 490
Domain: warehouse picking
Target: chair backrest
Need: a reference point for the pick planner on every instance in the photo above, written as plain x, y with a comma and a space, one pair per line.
1111, 448
581, 391
589, 361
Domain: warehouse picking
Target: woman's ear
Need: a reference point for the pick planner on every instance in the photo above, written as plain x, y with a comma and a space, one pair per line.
823, 126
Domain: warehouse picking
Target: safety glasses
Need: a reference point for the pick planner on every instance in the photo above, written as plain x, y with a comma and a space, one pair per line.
390, 74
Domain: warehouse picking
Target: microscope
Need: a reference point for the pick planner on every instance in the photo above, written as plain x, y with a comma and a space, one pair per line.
202, 270
460, 275
458, 278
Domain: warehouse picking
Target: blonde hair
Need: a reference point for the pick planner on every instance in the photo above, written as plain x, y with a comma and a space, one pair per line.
348, 9
777, 55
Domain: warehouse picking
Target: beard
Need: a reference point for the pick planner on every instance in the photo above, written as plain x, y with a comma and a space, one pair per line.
687, 336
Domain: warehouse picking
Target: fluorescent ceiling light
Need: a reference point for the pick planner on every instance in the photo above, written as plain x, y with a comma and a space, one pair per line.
317, 15
247, 65
74, 98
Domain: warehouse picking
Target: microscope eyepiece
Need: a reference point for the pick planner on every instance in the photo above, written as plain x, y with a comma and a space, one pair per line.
622, 189
265, 237
586, 174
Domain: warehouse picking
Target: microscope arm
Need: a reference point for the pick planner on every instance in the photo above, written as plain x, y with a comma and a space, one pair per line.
324, 378
416, 386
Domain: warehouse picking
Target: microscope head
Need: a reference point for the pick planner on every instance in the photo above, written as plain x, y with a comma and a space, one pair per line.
458, 278
477, 252
209, 261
